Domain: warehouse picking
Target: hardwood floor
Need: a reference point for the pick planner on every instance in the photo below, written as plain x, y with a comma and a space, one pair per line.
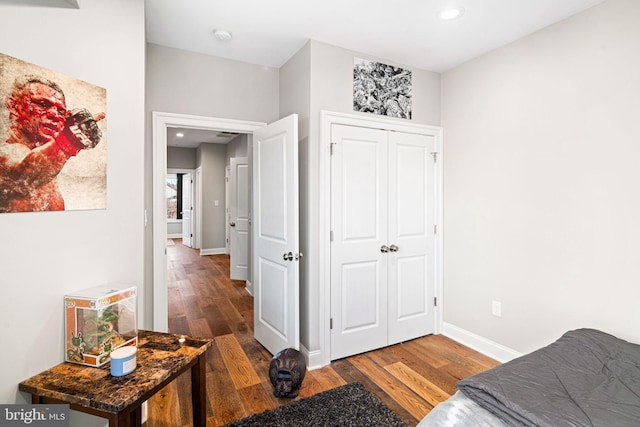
410, 378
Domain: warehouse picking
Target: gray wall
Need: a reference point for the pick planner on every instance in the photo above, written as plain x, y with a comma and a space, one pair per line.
541, 182
192, 83
295, 93
211, 158
55, 253
181, 158
237, 147
332, 85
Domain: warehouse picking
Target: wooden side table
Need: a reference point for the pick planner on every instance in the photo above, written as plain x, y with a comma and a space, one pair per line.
161, 358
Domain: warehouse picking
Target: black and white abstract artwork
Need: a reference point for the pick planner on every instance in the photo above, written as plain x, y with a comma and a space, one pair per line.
381, 89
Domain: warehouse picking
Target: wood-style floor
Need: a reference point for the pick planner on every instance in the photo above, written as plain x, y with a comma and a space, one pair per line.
410, 378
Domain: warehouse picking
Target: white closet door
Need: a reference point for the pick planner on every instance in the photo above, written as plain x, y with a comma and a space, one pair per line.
411, 260
359, 225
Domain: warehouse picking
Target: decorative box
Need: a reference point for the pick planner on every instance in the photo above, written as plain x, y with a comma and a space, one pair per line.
99, 320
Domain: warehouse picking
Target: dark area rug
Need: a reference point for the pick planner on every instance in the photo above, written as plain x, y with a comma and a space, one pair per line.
347, 405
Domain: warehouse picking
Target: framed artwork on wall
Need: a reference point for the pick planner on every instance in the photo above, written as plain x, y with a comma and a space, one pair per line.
53, 150
381, 89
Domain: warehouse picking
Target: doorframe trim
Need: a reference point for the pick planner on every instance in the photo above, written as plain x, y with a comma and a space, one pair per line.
327, 119
160, 122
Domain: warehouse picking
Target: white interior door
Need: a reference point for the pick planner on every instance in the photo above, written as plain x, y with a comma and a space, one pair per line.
358, 254
411, 237
187, 209
382, 251
239, 213
275, 235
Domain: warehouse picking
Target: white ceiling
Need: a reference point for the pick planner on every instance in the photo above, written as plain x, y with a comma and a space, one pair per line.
405, 32
192, 138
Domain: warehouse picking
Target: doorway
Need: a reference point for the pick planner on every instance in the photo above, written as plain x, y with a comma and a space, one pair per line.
160, 123
182, 206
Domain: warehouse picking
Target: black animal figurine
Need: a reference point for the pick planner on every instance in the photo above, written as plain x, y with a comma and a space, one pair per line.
287, 370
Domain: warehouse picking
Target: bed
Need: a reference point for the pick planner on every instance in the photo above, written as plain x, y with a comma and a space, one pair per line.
585, 378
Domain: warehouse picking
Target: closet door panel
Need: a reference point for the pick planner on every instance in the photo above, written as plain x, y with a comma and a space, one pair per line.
359, 225
411, 223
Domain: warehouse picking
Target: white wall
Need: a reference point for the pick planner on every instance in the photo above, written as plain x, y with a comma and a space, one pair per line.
53, 253
541, 181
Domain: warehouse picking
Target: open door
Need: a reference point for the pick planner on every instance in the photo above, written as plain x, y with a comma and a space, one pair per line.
187, 209
239, 218
275, 235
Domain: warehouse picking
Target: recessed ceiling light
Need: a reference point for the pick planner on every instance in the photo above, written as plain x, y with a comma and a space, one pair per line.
452, 13
179, 134
222, 35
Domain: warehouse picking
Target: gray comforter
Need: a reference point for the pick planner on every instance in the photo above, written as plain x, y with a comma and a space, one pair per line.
585, 378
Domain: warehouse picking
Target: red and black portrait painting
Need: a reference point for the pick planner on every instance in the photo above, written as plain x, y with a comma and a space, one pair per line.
53, 149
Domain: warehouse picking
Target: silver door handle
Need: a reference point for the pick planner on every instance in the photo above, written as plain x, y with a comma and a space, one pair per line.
384, 249
298, 256
393, 248
232, 224
288, 256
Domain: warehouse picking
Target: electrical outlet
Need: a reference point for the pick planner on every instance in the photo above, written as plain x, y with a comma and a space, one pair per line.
496, 308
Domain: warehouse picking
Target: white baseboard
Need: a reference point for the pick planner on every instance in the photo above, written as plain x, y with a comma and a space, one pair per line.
487, 347
213, 251
314, 358
249, 287
174, 236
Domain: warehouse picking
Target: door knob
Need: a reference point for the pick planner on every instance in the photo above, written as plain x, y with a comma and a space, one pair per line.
384, 249
393, 248
298, 256
288, 256
232, 224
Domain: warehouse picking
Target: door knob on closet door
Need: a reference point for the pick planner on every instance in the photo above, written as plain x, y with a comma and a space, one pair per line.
384, 249
232, 224
393, 248
288, 256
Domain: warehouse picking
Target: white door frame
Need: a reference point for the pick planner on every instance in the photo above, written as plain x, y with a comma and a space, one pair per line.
160, 122
328, 118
